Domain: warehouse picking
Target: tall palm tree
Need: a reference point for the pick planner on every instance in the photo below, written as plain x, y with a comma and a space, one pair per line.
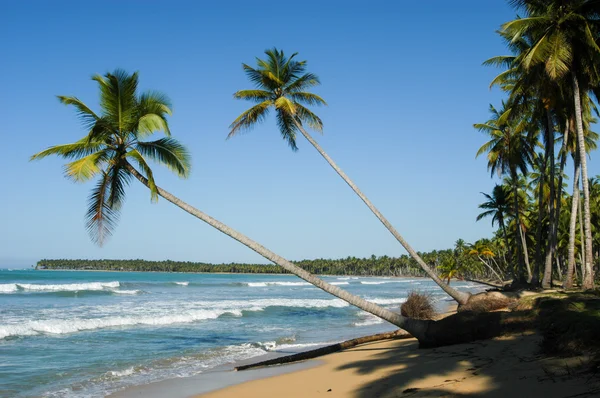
281, 84
508, 151
566, 35
497, 207
113, 146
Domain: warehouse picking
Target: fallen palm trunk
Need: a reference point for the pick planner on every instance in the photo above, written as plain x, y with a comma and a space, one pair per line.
301, 356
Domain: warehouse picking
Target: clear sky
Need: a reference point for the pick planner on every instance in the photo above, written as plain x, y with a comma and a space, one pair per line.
403, 80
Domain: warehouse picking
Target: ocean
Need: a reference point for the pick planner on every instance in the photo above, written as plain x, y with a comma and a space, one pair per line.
89, 334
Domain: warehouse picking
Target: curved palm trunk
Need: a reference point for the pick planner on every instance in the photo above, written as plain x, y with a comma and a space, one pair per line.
490, 268
559, 193
510, 264
588, 280
568, 283
460, 297
535, 280
550, 249
415, 327
582, 253
521, 250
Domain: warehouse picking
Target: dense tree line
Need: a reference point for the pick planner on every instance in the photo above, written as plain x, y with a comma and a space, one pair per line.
371, 266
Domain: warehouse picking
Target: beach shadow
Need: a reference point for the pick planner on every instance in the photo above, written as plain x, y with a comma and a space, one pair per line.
503, 367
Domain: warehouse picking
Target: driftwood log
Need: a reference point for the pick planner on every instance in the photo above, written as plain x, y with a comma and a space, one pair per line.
301, 356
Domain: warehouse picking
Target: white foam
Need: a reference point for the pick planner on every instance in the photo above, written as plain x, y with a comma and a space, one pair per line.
187, 313
369, 322
64, 326
182, 283
384, 301
339, 283
8, 288
344, 278
125, 372
265, 284
69, 287
272, 302
130, 292
373, 282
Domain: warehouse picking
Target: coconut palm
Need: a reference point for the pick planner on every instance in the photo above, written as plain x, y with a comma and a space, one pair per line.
281, 85
565, 36
497, 207
115, 144
508, 151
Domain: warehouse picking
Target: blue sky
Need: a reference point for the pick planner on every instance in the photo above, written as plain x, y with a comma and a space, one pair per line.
403, 81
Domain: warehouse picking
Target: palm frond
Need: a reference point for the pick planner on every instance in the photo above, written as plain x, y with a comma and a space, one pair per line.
119, 179
84, 169
77, 149
287, 128
151, 123
101, 219
168, 152
139, 159
253, 95
250, 118
87, 116
307, 98
306, 116
302, 83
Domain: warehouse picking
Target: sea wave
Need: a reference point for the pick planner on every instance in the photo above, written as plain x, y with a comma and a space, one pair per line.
8, 288
265, 284
390, 281
339, 283
66, 287
65, 326
163, 317
387, 301
128, 292
182, 283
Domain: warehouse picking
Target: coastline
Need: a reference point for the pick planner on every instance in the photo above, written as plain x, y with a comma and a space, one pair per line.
395, 368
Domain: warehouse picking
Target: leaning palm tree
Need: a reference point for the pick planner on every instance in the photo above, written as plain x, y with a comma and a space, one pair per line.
281, 84
115, 144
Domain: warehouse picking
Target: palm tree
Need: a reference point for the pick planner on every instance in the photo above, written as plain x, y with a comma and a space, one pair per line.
508, 151
281, 84
565, 37
114, 145
497, 207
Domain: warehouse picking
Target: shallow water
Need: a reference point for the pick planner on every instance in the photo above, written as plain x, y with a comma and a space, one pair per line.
84, 334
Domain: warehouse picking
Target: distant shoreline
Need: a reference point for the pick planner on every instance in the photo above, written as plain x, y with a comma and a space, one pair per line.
226, 273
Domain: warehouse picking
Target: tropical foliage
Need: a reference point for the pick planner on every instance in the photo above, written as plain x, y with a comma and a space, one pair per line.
548, 79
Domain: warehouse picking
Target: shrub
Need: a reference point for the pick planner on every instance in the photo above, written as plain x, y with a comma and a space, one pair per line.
418, 306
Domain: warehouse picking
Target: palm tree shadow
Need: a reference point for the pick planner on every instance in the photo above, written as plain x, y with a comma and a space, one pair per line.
491, 368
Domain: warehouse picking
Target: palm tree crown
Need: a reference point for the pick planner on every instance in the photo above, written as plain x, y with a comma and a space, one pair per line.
114, 139
280, 84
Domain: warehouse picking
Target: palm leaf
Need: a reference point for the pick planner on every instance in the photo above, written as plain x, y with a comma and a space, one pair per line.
253, 95
83, 169
77, 149
87, 116
287, 128
134, 154
250, 118
307, 98
168, 152
306, 116
101, 219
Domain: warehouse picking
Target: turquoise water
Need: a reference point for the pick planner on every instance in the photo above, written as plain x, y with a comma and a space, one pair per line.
87, 334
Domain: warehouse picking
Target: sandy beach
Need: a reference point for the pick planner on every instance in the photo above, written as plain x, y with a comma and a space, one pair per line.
510, 366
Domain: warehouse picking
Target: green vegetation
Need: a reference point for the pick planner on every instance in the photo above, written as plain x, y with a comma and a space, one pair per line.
549, 81
371, 266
